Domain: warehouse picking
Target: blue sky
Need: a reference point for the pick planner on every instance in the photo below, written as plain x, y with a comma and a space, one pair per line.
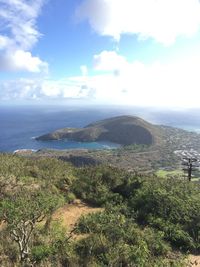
129, 52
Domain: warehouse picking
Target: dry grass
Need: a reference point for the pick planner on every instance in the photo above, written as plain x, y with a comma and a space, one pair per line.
70, 213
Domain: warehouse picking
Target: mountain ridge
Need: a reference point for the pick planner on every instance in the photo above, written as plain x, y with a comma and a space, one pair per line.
124, 130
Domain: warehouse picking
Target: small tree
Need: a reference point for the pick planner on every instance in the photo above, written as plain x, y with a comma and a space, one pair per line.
22, 211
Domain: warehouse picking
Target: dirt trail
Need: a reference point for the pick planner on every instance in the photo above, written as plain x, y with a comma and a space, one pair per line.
70, 213
194, 261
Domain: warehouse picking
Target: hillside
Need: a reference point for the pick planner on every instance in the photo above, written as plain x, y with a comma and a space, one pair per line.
124, 130
154, 146
94, 216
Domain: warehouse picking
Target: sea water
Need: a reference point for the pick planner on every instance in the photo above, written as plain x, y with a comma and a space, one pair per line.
20, 125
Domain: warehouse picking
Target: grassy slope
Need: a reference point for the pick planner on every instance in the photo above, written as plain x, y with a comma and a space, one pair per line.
36, 171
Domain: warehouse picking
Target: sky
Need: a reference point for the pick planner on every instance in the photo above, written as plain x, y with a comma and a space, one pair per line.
100, 52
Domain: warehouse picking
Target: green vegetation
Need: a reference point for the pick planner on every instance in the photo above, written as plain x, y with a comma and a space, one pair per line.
164, 150
145, 221
22, 211
125, 130
117, 240
137, 147
177, 174
166, 173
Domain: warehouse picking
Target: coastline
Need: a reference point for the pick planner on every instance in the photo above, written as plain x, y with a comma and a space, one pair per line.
24, 150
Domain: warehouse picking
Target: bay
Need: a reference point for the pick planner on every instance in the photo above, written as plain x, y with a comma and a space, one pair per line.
19, 125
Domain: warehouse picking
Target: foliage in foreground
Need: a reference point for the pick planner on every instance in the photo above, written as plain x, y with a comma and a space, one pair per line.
146, 221
168, 205
22, 211
115, 240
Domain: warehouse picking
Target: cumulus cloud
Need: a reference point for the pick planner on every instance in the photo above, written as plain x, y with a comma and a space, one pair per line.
20, 60
175, 84
32, 89
158, 84
19, 34
162, 20
20, 89
68, 88
109, 61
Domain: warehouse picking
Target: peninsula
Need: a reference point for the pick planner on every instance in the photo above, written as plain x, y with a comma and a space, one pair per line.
124, 130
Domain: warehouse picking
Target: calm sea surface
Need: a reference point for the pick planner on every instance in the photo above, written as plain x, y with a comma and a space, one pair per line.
19, 125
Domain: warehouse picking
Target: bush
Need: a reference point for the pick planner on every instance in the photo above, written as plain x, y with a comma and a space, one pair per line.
95, 184
115, 240
41, 252
172, 206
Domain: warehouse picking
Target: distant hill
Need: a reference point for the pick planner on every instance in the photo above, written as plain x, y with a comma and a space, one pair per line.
124, 130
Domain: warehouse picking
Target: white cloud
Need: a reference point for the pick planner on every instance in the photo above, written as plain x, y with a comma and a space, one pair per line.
31, 89
162, 20
4, 42
20, 60
109, 61
175, 84
84, 70
69, 88
19, 35
20, 89
170, 85
18, 18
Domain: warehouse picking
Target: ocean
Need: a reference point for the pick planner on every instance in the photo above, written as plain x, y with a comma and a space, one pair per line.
19, 125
